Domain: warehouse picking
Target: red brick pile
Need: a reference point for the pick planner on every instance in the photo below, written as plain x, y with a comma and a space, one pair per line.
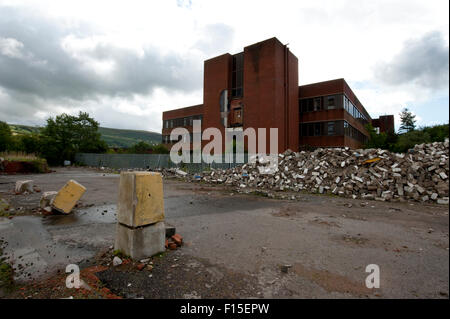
174, 242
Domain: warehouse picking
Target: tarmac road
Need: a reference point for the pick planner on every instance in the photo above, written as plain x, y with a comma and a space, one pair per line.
236, 243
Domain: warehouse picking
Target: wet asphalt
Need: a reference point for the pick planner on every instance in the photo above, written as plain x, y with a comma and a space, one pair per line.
239, 242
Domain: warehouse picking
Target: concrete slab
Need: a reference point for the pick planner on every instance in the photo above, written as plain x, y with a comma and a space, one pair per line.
142, 242
141, 200
68, 196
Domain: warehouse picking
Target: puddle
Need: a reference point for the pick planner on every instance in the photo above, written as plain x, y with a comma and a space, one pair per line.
106, 214
32, 250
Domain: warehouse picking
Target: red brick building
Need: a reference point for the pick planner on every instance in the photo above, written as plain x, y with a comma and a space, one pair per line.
258, 88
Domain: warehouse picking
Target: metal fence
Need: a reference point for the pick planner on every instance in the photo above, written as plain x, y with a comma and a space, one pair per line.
150, 161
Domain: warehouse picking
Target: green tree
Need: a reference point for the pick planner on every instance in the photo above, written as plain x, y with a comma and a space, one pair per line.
408, 122
438, 133
375, 140
65, 135
410, 139
30, 143
140, 148
5, 136
160, 149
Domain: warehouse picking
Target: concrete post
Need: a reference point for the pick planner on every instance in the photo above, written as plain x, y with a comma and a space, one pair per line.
140, 215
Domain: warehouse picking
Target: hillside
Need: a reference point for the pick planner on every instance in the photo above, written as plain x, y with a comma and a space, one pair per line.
126, 138
113, 137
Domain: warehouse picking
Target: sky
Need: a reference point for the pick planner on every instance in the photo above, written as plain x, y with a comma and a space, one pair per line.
126, 62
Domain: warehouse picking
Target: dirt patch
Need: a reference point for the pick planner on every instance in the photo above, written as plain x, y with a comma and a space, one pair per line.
286, 211
322, 222
354, 240
330, 281
25, 167
178, 276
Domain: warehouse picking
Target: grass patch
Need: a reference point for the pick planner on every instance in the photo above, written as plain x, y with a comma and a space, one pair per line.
34, 163
6, 277
4, 210
19, 156
6, 273
120, 254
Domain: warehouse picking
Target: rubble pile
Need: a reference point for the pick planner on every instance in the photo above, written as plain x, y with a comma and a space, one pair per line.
420, 175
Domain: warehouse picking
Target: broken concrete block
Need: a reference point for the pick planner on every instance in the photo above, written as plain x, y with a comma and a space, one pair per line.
180, 172
47, 199
24, 186
422, 171
285, 268
141, 242
141, 199
117, 261
67, 196
443, 201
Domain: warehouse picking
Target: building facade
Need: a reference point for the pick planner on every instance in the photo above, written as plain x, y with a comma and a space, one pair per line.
258, 88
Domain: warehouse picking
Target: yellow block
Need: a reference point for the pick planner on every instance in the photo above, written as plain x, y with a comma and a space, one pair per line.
141, 200
373, 160
68, 196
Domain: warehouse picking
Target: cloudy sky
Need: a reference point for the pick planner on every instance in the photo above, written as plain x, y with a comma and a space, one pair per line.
125, 62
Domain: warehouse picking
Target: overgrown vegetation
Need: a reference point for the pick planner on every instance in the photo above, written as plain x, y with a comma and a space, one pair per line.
114, 138
408, 135
141, 148
65, 135
6, 272
34, 163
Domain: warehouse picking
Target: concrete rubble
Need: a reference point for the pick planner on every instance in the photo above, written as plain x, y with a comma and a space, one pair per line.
47, 199
67, 197
420, 175
24, 186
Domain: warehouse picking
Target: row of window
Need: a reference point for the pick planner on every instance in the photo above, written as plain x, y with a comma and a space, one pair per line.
166, 138
182, 121
331, 102
320, 103
353, 111
354, 133
332, 128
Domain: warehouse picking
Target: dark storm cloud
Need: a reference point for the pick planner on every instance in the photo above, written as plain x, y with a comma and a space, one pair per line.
45, 69
423, 62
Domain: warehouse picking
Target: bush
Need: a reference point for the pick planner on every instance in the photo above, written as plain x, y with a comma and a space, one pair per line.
401, 143
5, 137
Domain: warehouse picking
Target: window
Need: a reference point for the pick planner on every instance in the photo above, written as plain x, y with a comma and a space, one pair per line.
310, 105
331, 102
317, 104
237, 75
330, 128
317, 129
304, 129
310, 130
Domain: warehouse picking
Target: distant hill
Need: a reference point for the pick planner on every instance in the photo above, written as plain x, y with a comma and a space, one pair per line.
112, 136
126, 138
23, 129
